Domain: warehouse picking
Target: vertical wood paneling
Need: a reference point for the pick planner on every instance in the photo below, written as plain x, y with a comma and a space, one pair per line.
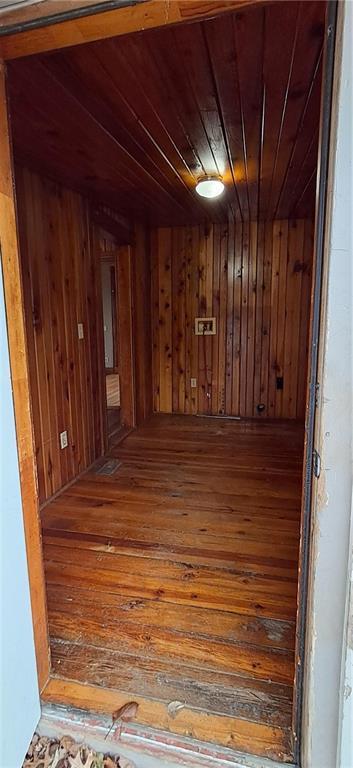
237, 317
202, 311
164, 244
272, 373
194, 286
142, 332
229, 317
305, 309
251, 335
259, 311
222, 327
291, 342
155, 319
215, 313
209, 306
266, 315
281, 313
60, 275
181, 325
188, 319
244, 298
254, 277
97, 247
178, 320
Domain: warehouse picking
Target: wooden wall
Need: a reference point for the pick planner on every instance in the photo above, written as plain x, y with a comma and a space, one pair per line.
60, 290
60, 255
255, 278
142, 338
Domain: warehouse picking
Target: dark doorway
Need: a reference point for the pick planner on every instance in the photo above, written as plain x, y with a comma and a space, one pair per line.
111, 351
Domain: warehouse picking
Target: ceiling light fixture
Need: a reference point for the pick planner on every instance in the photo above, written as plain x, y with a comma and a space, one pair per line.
210, 186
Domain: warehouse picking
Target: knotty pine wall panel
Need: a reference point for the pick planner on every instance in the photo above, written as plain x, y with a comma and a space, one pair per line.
141, 315
255, 278
60, 280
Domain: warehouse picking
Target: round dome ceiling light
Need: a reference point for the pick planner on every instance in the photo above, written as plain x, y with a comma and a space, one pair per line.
210, 186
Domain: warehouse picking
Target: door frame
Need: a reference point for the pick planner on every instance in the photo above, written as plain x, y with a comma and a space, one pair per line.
110, 260
313, 377
120, 257
148, 14
115, 311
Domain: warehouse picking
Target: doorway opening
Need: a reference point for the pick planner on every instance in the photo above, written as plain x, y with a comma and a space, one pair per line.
110, 307
185, 590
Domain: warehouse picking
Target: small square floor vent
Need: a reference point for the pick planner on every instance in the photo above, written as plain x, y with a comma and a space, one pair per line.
109, 467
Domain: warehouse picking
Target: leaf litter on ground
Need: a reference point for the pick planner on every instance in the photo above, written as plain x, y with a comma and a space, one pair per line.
46, 752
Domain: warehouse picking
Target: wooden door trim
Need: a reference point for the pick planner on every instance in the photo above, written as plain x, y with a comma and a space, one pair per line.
114, 300
134, 17
323, 214
11, 267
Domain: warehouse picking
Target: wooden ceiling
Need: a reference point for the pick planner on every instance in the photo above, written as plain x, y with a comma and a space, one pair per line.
134, 121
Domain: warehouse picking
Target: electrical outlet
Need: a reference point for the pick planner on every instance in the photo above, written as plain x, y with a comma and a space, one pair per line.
80, 330
193, 383
63, 440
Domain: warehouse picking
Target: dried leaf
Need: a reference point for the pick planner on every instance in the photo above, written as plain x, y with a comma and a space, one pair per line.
32, 746
174, 707
64, 750
125, 713
109, 762
124, 763
58, 755
83, 759
67, 743
42, 754
45, 752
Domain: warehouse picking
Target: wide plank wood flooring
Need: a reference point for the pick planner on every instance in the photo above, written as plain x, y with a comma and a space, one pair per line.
175, 579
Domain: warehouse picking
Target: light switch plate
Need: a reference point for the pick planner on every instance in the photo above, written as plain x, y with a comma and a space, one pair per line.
80, 330
193, 383
63, 440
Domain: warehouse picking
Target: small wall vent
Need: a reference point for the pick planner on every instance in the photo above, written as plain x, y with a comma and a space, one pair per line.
205, 326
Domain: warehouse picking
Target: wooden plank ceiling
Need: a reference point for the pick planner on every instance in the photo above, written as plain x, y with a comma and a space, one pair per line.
134, 121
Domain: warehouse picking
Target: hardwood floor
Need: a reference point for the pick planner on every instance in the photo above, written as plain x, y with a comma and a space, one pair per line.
175, 579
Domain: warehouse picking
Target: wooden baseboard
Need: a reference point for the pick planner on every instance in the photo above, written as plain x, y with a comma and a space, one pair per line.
233, 733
